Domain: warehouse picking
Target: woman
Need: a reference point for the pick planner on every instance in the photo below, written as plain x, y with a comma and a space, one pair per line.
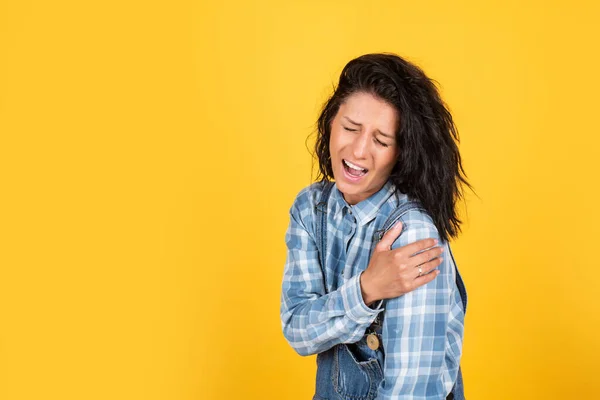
385, 314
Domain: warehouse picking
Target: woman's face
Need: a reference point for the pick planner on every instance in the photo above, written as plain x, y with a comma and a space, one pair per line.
363, 146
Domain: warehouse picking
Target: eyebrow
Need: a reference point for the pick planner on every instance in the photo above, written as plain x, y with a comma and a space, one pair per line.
356, 123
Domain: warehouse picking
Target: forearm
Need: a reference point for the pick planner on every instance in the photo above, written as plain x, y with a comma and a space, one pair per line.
313, 324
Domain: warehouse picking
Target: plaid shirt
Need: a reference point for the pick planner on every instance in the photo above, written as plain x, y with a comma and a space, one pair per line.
422, 330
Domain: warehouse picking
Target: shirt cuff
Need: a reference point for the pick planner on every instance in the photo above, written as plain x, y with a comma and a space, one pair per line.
354, 304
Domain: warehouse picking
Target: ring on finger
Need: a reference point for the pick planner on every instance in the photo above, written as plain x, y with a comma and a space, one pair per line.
420, 271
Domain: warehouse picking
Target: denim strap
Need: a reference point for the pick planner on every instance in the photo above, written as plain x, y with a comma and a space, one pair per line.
321, 231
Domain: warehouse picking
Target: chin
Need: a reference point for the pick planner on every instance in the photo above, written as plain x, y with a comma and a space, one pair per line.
352, 191
347, 188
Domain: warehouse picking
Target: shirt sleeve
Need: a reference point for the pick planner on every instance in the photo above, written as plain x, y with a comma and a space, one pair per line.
423, 330
313, 321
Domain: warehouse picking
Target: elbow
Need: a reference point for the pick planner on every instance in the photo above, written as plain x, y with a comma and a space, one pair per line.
303, 351
301, 347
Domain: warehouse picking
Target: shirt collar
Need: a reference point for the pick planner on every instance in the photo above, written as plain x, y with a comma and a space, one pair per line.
366, 210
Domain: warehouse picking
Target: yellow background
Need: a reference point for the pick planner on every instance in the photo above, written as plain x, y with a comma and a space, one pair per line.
150, 151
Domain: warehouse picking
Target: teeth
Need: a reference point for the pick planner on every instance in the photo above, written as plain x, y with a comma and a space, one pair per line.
356, 167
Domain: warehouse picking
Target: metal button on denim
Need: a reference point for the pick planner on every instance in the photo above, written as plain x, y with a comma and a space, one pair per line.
373, 341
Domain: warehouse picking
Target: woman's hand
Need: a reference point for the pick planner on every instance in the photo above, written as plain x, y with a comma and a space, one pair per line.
392, 273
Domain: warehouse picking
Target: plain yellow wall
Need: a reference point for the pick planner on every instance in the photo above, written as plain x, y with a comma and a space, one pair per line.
150, 151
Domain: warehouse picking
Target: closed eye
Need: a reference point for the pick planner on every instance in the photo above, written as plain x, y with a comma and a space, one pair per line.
350, 130
381, 143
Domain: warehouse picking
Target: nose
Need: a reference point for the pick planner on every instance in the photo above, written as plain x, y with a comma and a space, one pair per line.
360, 146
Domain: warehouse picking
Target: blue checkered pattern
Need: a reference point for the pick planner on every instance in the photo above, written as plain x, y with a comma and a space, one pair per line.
422, 330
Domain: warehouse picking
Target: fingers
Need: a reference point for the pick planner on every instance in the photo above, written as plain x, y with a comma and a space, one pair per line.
425, 279
428, 266
389, 237
425, 256
416, 247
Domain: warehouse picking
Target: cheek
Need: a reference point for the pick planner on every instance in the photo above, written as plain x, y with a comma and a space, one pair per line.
388, 160
336, 142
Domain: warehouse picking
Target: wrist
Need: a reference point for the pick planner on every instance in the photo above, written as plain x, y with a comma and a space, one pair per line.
367, 294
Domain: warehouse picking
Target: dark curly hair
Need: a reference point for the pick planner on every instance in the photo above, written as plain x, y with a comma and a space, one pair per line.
429, 167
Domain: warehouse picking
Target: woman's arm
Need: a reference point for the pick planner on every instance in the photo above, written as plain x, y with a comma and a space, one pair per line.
313, 321
423, 329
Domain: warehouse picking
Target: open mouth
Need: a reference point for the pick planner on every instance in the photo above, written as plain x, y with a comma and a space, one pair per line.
353, 169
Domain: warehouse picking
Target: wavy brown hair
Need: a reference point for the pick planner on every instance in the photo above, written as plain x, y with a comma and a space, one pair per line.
429, 167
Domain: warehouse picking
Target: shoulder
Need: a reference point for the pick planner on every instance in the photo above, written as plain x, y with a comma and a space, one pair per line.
401, 207
308, 198
416, 223
418, 218
303, 209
